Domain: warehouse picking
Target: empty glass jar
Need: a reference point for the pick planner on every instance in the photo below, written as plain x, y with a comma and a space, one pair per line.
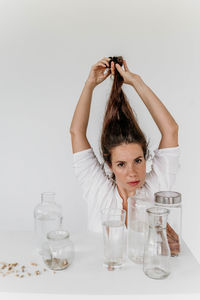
172, 201
58, 251
156, 263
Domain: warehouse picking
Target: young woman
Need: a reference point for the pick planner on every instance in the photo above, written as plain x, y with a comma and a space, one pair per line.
123, 145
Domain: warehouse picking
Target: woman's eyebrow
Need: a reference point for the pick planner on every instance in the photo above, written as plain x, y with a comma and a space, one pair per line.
124, 160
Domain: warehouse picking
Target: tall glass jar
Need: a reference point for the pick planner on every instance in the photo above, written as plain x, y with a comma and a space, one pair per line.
47, 217
157, 253
137, 225
172, 201
58, 251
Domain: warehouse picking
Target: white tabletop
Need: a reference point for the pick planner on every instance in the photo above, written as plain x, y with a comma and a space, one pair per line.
87, 275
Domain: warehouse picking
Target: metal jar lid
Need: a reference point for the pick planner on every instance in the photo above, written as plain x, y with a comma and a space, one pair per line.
167, 197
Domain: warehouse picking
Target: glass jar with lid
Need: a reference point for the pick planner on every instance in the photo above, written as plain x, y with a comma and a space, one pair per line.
172, 201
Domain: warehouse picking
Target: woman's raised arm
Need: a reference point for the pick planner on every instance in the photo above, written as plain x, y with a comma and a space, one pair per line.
80, 119
163, 119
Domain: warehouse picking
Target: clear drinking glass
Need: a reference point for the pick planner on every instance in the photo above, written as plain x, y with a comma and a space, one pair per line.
156, 263
113, 222
58, 251
137, 226
47, 217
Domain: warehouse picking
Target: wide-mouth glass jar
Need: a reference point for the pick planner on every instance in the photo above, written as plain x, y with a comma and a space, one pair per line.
58, 252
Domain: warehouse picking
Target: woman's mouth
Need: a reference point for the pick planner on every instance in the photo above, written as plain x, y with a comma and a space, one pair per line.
133, 183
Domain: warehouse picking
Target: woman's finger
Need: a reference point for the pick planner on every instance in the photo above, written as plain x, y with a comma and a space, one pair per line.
119, 69
125, 66
105, 62
100, 64
113, 68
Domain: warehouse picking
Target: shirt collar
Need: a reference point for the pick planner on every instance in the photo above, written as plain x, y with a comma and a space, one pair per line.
118, 197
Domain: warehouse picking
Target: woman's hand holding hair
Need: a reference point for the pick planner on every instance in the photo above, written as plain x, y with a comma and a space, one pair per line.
97, 72
162, 117
129, 78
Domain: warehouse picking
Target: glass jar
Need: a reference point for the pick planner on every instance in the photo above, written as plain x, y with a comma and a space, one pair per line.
156, 252
47, 217
172, 201
58, 251
137, 225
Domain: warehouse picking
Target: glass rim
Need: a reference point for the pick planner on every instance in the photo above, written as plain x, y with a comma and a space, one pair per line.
133, 201
113, 211
158, 210
58, 235
48, 193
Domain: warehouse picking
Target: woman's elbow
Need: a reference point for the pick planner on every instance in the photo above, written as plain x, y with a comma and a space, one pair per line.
175, 128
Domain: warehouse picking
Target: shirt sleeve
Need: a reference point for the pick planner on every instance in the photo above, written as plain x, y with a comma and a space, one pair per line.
165, 166
91, 177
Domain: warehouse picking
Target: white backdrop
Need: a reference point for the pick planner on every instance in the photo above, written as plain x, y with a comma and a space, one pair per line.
47, 48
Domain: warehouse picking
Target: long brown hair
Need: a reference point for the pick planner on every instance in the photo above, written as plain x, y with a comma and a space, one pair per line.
120, 125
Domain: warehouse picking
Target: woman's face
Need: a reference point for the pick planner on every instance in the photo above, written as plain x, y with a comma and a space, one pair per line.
129, 166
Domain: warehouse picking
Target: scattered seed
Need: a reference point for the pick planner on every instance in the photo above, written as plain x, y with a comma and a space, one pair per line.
21, 276
33, 264
4, 266
14, 265
29, 274
37, 272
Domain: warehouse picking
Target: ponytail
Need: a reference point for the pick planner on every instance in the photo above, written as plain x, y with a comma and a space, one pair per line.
119, 125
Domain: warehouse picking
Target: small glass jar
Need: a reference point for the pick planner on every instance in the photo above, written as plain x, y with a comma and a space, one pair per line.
58, 251
172, 201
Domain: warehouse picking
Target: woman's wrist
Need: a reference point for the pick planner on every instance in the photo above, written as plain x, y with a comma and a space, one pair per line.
89, 84
137, 83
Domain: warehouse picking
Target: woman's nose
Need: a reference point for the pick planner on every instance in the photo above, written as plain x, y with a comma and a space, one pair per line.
132, 171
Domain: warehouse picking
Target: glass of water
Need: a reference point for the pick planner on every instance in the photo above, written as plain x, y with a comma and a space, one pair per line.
113, 222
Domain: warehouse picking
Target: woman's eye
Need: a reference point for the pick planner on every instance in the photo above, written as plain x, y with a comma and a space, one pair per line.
120, 165
138, 161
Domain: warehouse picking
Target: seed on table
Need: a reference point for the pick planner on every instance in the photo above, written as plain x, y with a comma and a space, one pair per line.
21, 276
29, 274
15, 264
33, 264
37, 272
4, 266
